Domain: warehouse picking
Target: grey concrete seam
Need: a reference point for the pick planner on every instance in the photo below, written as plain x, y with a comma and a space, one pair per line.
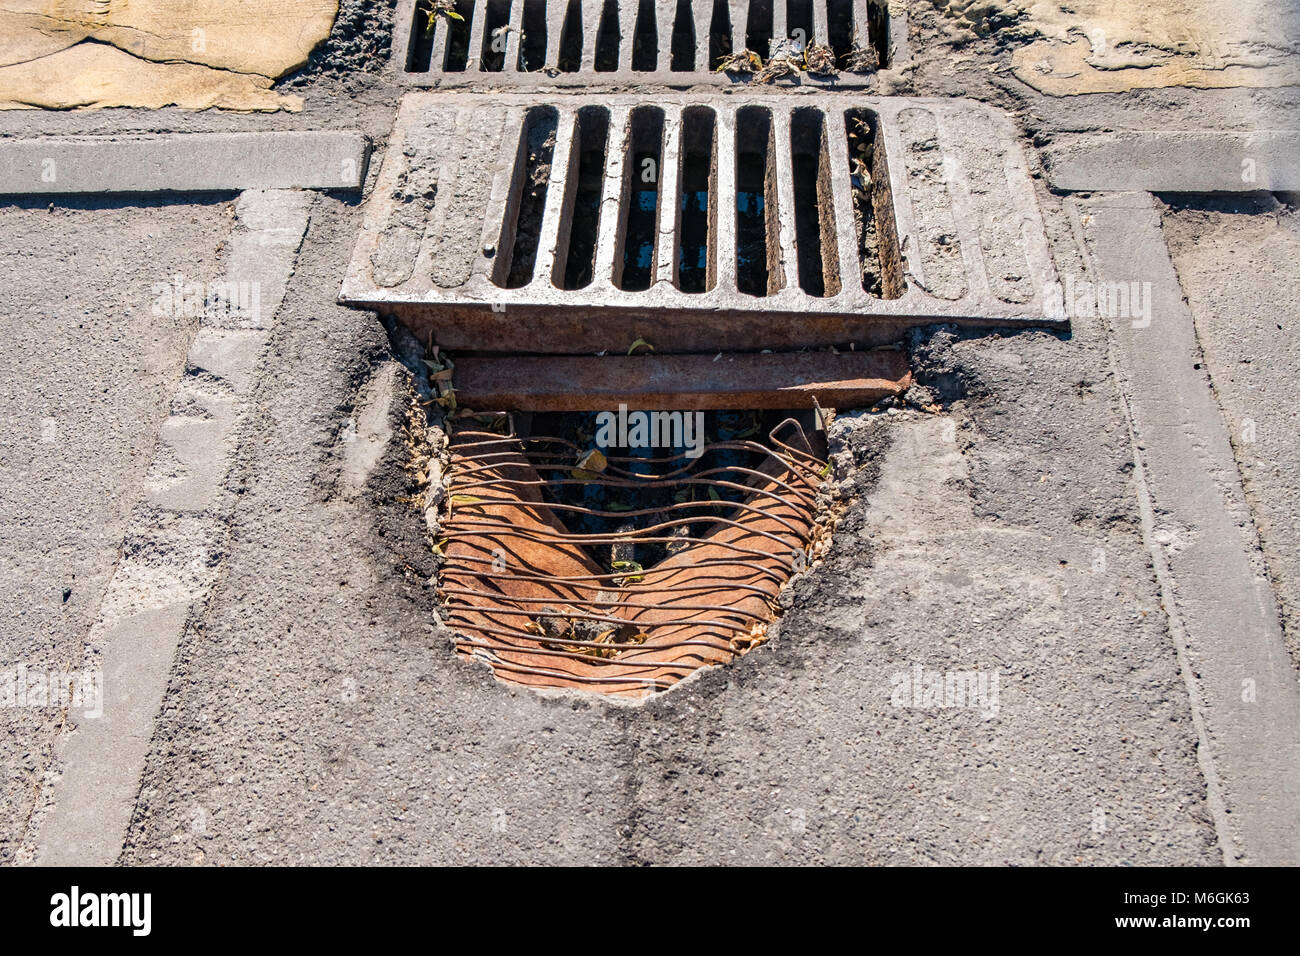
184, 163
1198, 161
1222, 615
174, 543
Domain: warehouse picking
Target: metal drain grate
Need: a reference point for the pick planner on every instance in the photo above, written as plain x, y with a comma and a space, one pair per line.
505, 223
671, 42
555, 581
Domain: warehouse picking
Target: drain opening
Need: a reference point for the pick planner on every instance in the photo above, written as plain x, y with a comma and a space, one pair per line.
683, 42
518, 245
458, 37
496, 26
698, 210
624, 571
419, 54
758, 27
532, 44
879, 257
638, 256
839, 29
645, 39
719, 34
570, 55
799, 23
818, 252
758, 251
878, 30
607, 38
576, 247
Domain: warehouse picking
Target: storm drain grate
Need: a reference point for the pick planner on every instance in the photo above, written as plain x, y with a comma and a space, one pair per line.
672, 42
623, 573
501, 223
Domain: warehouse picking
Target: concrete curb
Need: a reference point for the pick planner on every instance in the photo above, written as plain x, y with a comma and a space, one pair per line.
1196, 161
1221, 612
184, 163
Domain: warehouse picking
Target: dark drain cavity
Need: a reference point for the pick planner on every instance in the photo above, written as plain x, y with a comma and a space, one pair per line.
532, 45
819, 272
496, 35
575, 256
622, 552
683, 42
758, 249
698, 210
878, 252
571, 37
518, 246
638, 257
607, 38
719, 34
645, 38
758, 27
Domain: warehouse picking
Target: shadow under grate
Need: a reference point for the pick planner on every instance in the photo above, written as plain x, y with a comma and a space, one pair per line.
624, 573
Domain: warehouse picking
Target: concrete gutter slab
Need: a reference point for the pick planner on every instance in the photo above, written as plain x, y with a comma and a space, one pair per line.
184, 163
1197, 161
1222, 613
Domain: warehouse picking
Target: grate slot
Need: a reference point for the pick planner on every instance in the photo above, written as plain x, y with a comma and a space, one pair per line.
532, 40
419, 54
638, 250
578, 227
697, 210
814, 213
607, 39
878, 260
683, 46
799, 23
719, 34
524, 211
878, 30
494, 42
759, 26
758, 226
645, 38
568, 57
458, 40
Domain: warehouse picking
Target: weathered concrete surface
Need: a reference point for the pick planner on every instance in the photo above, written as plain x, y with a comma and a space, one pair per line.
171, 558
1199, 161
184, 163
193, 54
1114, 46
317, 713
86, 376
1236, 261
1204, 543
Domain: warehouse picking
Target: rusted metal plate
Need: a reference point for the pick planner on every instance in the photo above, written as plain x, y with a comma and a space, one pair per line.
672, 382
509, 222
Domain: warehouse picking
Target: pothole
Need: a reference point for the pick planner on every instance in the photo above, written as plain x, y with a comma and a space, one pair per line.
622, 552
